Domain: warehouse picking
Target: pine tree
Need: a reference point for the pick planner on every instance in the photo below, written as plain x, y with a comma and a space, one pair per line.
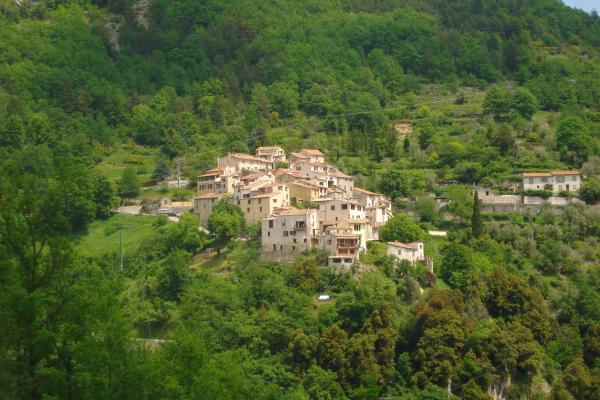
476, 221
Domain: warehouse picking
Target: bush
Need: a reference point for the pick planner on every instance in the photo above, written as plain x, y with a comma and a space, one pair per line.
590, 191
545, 194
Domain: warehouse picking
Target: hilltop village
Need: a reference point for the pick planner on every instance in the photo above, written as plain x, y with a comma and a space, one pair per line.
301, 202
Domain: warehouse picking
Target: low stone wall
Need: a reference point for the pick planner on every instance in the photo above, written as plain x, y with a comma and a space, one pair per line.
512, 203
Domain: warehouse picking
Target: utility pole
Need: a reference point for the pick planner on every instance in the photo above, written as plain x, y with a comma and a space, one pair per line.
121, 227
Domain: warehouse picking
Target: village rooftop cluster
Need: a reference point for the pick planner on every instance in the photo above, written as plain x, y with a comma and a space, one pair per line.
301, 202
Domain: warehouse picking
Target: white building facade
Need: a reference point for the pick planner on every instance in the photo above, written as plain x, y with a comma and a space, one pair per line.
556, 181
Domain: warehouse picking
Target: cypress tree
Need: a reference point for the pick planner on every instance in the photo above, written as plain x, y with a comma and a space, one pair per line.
476, 221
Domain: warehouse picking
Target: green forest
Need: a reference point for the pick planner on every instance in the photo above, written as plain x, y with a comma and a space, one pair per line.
101, 101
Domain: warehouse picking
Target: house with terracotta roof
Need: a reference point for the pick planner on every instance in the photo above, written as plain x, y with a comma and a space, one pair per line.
271, 154
555, 181
358, 227
304, 190
325, 174
311, 155
263, 202
217, 180
288, 232
241, 163
411, 252
337, 209
342, 245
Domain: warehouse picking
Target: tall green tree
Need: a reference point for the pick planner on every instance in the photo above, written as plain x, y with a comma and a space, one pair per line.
225, 223
524, 102
104, 196
476, 219
400, 228
497, 103
128, 185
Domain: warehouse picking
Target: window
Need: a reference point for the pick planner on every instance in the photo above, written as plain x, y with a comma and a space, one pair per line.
260, 209
560, 179
337, 260
332, 208
274, 200
399, 252
269, 234
544, 180
531, 181
259, 201
357, 227
249, 201
270, 223
344, 206
328, 241
352, 207
304, 240
294, 248
238, 202
280, 247
248, 210
295, 241
348, 260
574, 178
274, 247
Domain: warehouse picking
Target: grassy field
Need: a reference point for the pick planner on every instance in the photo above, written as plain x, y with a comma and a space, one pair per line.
129, 155
103, 236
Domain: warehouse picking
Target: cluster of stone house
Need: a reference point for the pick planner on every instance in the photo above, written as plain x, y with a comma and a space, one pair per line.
308, 204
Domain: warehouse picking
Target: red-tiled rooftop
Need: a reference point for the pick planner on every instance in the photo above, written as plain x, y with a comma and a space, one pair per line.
312, 152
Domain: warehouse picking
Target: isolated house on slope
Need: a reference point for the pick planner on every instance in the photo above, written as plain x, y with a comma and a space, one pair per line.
411, 252
556, 181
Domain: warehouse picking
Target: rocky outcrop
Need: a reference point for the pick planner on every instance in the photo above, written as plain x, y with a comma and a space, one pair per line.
140, 9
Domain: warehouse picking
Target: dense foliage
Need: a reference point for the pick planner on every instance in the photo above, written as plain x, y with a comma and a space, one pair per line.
491, 88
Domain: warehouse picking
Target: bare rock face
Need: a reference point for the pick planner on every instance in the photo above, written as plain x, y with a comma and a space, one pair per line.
140, 9
496, 389
112, 26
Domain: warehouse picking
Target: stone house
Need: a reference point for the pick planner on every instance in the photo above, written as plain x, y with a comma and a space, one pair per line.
310, 155
305, 190
203, 205
237, 162
342, 245
262, 203
411, 252
556, 181
288, 232
272, 154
